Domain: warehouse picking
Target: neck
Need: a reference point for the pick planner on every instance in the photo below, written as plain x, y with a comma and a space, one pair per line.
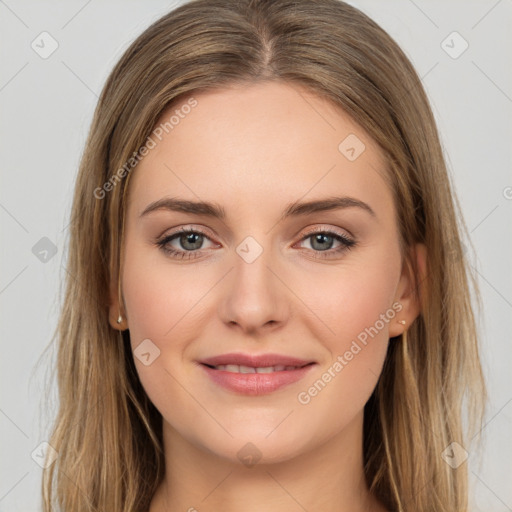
328, 477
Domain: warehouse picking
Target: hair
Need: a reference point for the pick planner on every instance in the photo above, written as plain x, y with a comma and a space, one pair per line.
107, 433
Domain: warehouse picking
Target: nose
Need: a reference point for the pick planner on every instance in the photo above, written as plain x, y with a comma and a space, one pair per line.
255, 297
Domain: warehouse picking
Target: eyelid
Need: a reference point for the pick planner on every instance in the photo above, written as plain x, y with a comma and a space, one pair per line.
188, 229
323, 229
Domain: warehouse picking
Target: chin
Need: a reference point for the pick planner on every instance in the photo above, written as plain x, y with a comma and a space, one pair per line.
249, 447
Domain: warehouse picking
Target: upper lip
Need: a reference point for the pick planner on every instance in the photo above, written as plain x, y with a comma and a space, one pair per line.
255, 361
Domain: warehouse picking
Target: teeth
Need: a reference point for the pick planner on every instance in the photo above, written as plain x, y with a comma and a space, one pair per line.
268, 369
234, 368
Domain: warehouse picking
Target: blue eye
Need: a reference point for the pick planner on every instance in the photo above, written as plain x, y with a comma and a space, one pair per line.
191, 241
323, 241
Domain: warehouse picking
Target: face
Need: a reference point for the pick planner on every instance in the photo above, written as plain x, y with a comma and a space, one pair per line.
324, 285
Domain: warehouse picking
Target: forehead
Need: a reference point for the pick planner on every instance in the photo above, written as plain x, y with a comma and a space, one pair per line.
258, 144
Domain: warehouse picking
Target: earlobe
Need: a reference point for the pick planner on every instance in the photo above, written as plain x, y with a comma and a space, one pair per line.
411, 289
117, 320
116, 316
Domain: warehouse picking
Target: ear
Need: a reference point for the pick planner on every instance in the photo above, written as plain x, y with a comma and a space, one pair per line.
115, 308
410, 290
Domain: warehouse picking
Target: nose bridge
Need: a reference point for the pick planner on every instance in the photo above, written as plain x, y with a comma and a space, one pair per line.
254, 296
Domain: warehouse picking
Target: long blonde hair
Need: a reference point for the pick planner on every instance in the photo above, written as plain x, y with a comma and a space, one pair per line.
107, 433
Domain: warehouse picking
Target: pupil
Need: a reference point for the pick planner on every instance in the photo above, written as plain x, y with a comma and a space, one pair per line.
320, 238
190, 239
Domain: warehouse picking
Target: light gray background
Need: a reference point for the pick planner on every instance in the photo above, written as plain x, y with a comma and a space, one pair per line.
46, 109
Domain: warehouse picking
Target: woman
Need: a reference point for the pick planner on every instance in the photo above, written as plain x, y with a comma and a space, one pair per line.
268, 305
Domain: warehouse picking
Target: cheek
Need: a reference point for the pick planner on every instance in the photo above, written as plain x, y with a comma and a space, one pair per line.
163, 304
160, 298
352, 300
355, 309
159, 305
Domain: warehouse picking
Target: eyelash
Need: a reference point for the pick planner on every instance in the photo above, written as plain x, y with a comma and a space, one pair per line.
347, 243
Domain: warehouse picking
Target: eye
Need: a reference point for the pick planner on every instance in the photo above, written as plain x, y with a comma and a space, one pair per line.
322, 241
190, 240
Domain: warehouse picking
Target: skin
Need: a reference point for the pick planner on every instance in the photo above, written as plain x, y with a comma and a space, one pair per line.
254, 150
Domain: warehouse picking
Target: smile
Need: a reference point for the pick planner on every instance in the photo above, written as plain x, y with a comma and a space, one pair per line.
255, 380
234, 368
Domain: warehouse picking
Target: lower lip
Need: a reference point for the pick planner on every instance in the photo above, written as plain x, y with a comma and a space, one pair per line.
256, 383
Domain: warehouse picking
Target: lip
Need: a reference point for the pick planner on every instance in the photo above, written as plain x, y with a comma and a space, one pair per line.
255, 360
256, 383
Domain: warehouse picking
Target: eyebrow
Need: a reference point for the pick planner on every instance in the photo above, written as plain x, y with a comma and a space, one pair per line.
296, 209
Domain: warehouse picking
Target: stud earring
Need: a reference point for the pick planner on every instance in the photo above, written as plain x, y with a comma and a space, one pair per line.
401, 322
119, 318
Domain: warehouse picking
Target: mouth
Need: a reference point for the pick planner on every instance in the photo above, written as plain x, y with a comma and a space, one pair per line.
250, 363
255, 380
235, 368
